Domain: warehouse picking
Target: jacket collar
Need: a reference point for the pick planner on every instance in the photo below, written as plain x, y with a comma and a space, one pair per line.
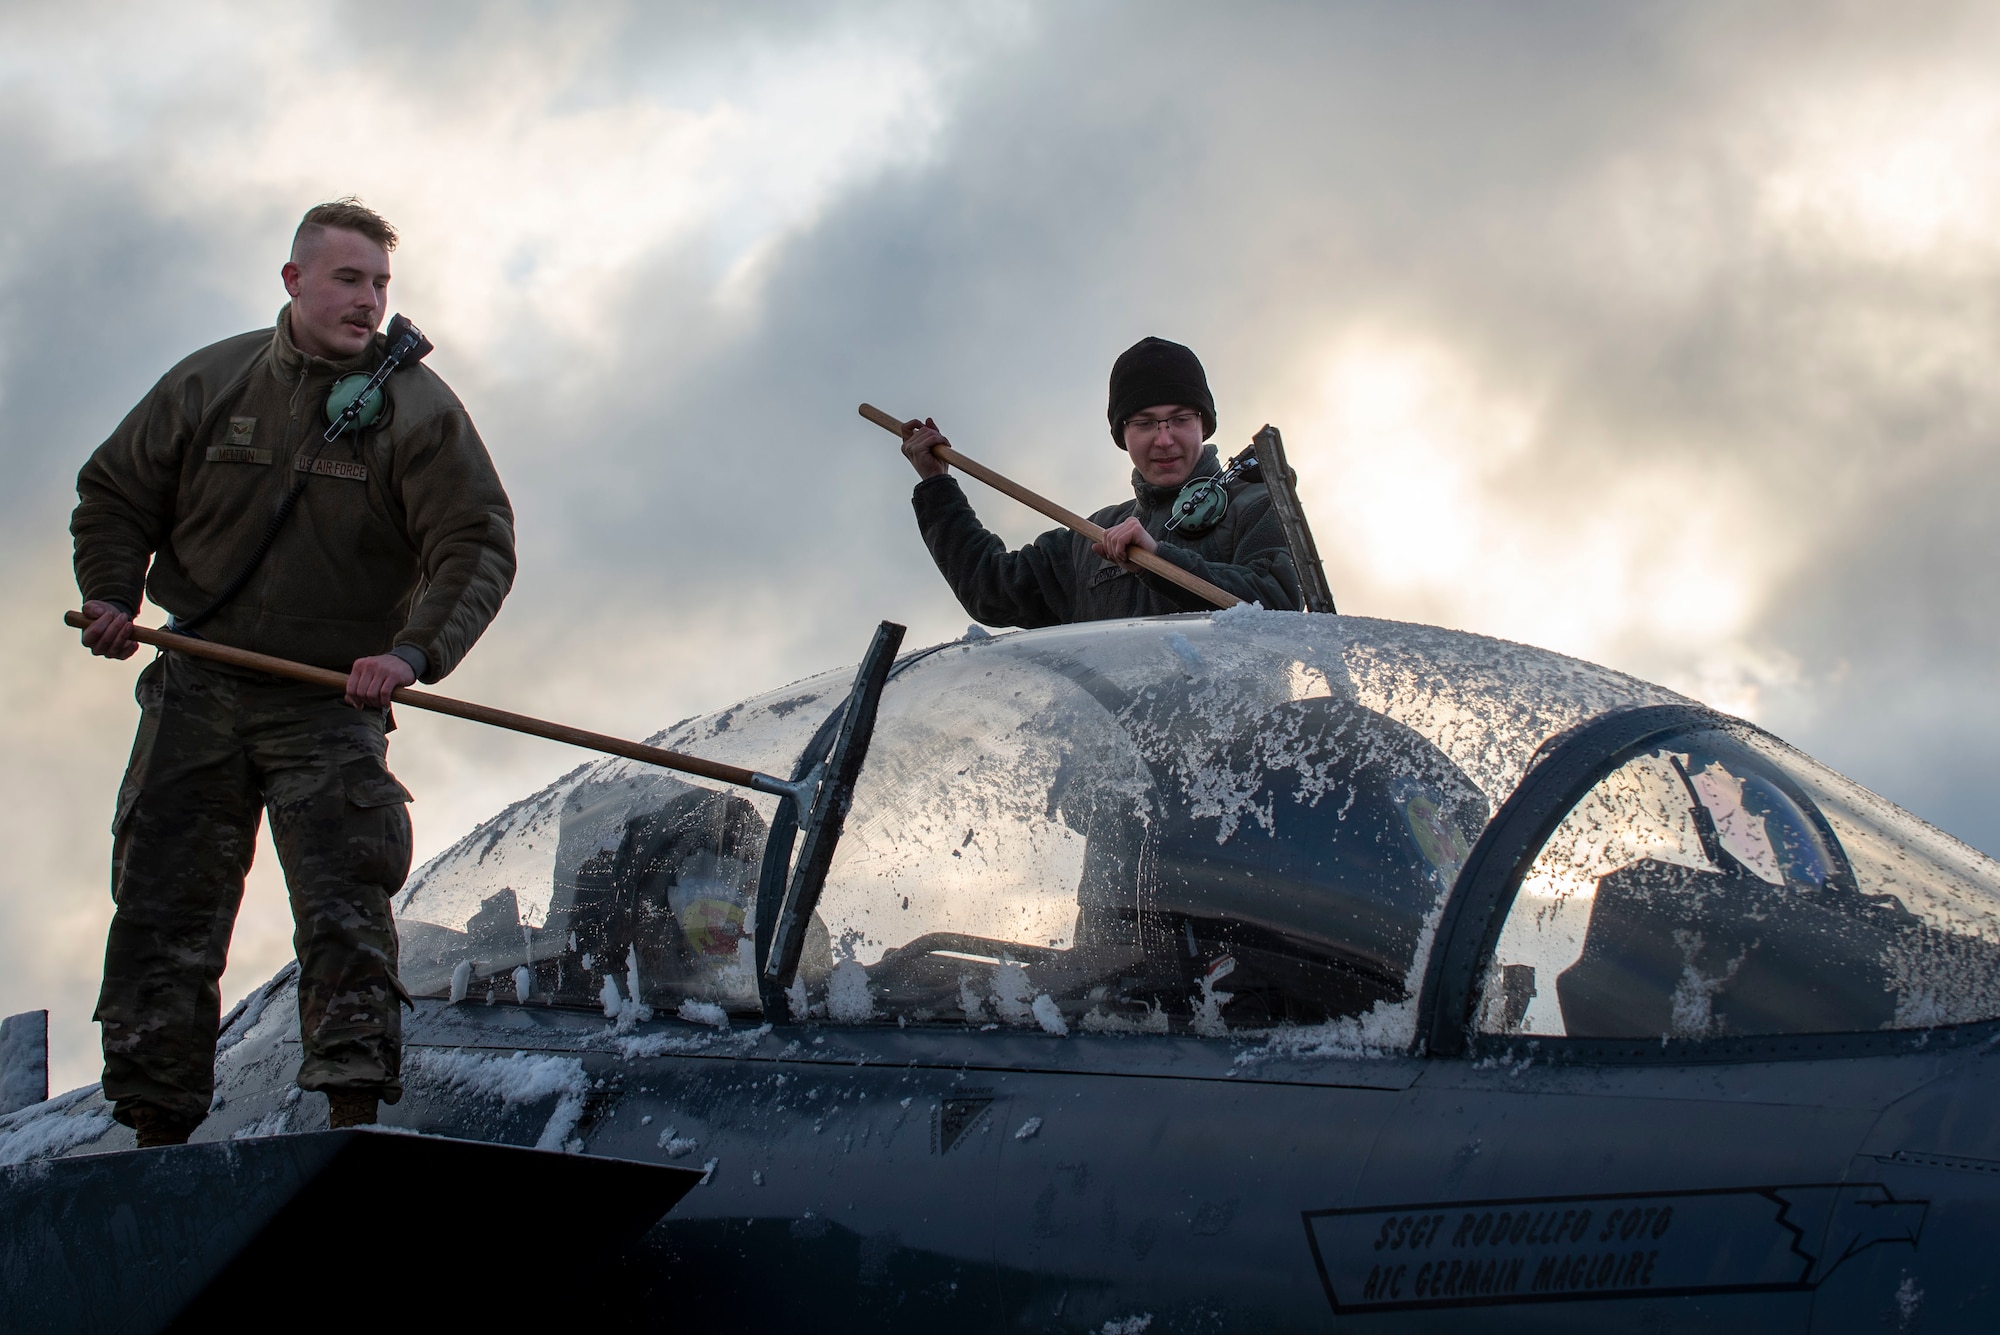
1153, 498
290, 361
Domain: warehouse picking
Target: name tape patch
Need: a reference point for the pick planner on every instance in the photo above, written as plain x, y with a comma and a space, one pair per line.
237, 454
332, 468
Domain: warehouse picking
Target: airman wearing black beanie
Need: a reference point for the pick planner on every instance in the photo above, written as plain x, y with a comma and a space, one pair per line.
1154, 371
1063, 577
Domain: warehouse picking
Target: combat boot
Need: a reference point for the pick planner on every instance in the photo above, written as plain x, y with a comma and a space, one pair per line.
350, 1107
157, 1127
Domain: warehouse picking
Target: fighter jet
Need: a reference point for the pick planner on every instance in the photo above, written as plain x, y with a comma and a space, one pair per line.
1238, 972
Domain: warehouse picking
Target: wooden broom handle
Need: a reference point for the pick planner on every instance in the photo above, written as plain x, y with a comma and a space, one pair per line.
1069, 519
440, 704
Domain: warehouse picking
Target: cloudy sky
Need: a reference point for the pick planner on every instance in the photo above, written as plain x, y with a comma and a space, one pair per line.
1660, 334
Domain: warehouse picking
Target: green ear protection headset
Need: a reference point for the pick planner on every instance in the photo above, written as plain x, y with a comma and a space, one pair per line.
1205, 500
355, 402
357, 393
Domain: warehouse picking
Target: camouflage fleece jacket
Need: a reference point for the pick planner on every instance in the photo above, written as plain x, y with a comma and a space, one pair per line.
403, 537
1057, 578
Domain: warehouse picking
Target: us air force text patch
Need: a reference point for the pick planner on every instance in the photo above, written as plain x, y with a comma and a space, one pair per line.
332, 468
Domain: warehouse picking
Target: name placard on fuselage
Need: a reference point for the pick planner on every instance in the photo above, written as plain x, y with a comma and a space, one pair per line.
1552, 1249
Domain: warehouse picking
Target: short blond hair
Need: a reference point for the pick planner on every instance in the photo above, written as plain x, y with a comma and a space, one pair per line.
350, 215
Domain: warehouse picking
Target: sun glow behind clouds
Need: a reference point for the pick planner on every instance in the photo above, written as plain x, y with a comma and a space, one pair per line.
1413, 440
1452, 495
1890, 173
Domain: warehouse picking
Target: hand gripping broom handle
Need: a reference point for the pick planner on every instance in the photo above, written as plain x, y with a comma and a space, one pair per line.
1138, 556
440, 704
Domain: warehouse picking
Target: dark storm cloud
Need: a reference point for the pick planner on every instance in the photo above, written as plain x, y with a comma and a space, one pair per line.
98, 295
1901, 619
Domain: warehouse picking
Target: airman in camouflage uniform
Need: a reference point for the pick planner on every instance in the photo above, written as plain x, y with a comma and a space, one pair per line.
394, 562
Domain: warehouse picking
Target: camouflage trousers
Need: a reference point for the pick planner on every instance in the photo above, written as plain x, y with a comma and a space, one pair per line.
215, 748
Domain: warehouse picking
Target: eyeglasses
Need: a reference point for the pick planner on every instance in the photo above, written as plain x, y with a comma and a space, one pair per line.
1146, 426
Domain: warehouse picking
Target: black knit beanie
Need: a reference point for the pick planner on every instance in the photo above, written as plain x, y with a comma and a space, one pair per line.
1152, 372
